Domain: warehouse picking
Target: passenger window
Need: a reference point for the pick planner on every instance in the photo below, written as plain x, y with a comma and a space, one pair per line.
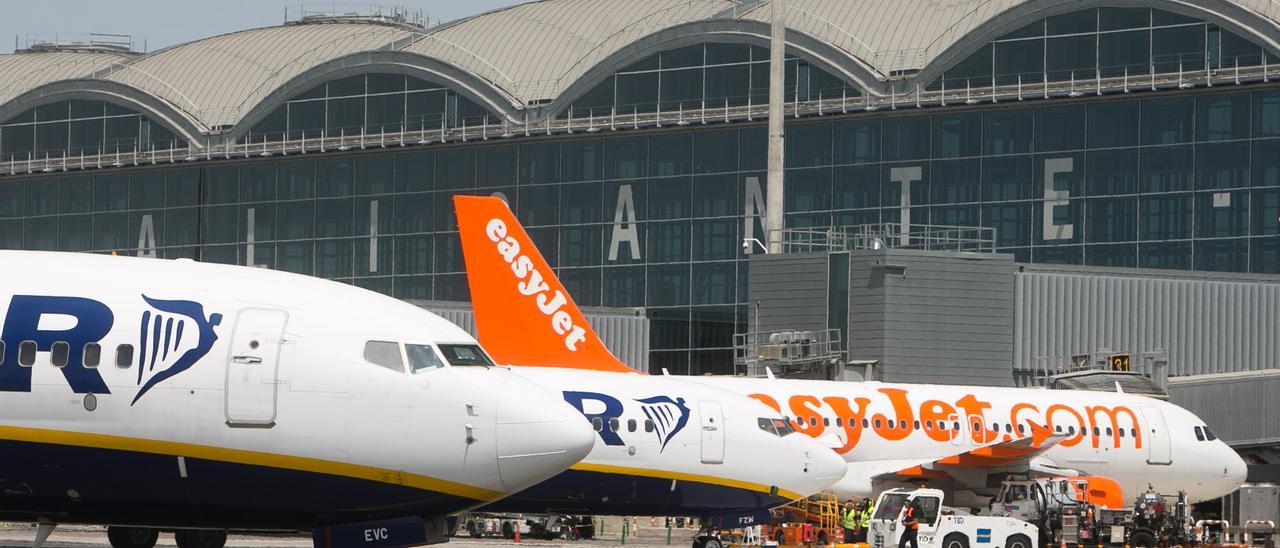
955, 425
902, 424
27, 353
631, 425
942, 425
826, 421
1022, 429
597, 424
385, 354
464, 354
813, 421
1133, 432
1057, 428
91, 356
1108, 430
928, 425
865, 423
422, 358
839, 420
915, 425
1096, 433
648, 425
58, 354
124, 356
1, 352
1121, 432
613, 425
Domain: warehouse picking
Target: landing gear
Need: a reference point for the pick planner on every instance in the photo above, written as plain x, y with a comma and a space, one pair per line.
132, 537
200, 538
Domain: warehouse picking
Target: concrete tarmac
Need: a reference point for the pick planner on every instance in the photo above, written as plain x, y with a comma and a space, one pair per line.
21, 535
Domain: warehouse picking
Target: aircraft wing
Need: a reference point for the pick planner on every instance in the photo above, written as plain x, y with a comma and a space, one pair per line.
1014, 454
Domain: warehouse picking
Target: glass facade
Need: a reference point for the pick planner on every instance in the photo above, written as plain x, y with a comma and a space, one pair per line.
655, 219
369, 104
704, 76
80, 128
1102, 43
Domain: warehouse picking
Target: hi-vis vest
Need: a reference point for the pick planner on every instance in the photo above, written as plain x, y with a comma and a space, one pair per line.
849, 518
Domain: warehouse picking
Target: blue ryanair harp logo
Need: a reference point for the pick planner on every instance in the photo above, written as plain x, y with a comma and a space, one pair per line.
171, 340
665, 416
173, 336
669, 416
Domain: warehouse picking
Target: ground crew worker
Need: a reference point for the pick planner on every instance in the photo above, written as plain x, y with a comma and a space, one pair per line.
863, 521
910, 526
849, 521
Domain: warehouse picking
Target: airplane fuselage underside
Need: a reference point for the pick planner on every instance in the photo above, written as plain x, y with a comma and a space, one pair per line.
70, 484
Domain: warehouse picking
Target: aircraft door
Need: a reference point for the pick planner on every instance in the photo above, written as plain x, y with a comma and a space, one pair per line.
1159, 449
712, 432
253, 367
957, 432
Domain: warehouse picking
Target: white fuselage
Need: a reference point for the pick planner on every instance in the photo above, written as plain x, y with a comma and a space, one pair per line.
881, 428
174, 393
667, 446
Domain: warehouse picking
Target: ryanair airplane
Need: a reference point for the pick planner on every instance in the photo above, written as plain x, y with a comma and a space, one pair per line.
153, 395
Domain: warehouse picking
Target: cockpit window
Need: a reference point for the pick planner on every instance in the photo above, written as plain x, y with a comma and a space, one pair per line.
1199, 434
422, 358
1208, 434
766, 424
783, 426
464, 354
385, 354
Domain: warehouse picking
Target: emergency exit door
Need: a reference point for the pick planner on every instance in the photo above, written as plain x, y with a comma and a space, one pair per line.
253, 367
1156, 432
712, 432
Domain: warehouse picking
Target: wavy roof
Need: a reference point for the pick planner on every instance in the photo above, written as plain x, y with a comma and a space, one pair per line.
532, 53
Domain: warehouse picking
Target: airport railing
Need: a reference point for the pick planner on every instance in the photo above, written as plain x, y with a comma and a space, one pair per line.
595, 121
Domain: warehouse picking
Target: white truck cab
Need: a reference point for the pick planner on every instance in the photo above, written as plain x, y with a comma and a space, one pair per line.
941, 526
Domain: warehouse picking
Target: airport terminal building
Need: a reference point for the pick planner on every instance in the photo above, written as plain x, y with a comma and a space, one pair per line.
632, 142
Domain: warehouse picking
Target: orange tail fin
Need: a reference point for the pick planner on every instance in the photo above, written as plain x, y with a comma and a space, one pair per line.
523, 315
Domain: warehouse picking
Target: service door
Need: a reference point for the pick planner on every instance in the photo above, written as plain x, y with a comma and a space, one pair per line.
1159, 450
252, 367
712, 432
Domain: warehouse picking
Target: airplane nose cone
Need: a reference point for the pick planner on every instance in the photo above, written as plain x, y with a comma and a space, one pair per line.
1234, 469
822, 468
538, 435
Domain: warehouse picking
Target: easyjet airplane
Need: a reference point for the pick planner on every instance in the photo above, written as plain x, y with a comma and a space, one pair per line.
157, 395
666, 445
961, 437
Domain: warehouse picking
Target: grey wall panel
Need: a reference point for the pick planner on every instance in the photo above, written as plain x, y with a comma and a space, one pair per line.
790, 291
932, 316
1205, 395
1206, 325
624, 331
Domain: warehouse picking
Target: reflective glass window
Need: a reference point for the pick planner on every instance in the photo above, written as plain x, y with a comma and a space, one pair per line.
858, 141
1168, 121
1221, 117
1059, 128
1112, 124
957, 135
1007, 131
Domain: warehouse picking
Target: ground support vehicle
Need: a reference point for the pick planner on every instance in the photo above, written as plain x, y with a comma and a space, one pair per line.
811, 521
944, 527
1090, 511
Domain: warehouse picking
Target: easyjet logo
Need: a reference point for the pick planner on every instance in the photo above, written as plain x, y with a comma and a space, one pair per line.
531, 283
944, 421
